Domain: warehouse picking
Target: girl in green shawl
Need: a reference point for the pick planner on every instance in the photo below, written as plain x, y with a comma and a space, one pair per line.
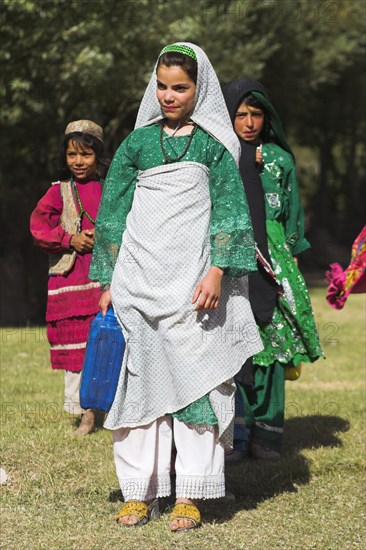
285, 316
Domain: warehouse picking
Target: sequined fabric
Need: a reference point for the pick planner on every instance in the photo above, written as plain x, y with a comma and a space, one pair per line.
189, 367
198, 412
292, 334
174, 354
282, 197
231, 236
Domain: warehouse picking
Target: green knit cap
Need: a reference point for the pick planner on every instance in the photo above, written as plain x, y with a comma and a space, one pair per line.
186, 50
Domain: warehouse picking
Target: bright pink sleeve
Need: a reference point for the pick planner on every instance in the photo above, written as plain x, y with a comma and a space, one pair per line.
45, 225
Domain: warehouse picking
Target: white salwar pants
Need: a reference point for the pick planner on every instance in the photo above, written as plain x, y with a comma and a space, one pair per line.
72, 392
142, 457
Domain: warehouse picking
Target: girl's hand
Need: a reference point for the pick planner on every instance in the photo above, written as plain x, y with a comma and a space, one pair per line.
105, 302
208, 291
83, 242
296, 260
258, 156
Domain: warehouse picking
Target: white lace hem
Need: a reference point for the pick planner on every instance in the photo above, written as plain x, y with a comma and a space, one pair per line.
145, 488
200, 486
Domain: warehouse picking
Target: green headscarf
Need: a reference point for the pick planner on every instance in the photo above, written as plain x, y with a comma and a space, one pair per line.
276, 133
238, 89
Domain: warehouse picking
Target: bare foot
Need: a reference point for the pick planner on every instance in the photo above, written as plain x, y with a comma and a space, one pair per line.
87, 424
182, 523
128, 520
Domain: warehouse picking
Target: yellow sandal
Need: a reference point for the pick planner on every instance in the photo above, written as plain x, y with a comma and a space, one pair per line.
186, 511
144, 512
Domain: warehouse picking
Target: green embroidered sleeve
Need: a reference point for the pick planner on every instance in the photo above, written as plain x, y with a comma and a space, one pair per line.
231, 232
231, 236
294, 224
111, 220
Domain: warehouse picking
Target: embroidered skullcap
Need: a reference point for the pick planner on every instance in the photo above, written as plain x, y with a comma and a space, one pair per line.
179, 48
86, 127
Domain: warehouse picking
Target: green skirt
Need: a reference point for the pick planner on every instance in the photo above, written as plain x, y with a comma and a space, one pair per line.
198, 412
292, 335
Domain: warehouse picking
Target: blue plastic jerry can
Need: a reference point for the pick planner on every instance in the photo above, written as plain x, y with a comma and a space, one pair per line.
102, 362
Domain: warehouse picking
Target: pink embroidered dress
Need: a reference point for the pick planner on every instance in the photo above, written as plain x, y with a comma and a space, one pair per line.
352, 279
72, 298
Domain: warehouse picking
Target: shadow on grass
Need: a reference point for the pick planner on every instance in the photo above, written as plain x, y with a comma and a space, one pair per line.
252, 481
313, 431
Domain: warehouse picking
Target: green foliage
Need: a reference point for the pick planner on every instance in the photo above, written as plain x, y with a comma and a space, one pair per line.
66, 59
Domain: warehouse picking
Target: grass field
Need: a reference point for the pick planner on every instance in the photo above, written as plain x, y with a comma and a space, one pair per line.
62, 492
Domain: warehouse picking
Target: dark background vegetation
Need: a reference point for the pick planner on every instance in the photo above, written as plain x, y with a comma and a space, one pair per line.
66, 59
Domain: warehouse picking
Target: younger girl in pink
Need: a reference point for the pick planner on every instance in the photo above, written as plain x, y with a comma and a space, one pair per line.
62, 225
